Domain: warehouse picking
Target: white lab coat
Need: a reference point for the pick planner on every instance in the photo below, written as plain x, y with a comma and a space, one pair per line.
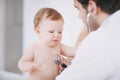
98, 57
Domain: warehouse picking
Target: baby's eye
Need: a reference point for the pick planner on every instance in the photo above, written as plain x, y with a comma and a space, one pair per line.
60, 32
51, 31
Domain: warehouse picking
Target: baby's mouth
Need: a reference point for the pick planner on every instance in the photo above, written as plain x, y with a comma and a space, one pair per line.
55, 40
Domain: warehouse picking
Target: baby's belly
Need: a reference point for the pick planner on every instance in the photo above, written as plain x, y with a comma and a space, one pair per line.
44, 73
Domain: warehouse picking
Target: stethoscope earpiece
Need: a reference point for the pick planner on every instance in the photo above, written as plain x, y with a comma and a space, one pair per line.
88, 24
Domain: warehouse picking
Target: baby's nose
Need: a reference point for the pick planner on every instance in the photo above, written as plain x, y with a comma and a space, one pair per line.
56, 34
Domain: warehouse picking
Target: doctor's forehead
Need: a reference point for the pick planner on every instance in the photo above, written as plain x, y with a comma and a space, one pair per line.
77, 4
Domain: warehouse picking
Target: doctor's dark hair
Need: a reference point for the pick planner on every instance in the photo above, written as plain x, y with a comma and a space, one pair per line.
107, 6
46, 13
84, 3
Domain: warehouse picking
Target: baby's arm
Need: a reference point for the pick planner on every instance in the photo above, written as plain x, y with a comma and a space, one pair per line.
26, 63
68, 51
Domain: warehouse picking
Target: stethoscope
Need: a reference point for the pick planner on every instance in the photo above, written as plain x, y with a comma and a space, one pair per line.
88, 24
58, 61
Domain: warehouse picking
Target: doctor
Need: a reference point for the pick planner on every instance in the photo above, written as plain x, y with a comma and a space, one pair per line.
98, 56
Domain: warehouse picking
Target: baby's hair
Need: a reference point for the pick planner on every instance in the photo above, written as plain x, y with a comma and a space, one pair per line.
46, 13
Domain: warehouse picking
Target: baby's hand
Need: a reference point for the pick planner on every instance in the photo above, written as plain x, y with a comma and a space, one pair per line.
34, 66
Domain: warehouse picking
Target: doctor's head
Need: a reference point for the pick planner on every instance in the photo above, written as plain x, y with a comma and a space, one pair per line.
98, 10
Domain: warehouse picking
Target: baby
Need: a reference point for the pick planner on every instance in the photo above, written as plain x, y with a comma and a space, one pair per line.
39, 58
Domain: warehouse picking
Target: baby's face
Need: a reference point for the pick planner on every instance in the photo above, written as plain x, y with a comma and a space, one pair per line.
50, 31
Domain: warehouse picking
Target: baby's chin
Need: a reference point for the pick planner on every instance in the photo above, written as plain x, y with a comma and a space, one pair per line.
53, 44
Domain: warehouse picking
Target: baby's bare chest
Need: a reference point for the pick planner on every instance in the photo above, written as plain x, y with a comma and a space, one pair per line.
46, 57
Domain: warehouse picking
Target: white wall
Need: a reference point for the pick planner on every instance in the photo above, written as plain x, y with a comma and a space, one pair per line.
10, 34
2, 11
13, 34
72, 25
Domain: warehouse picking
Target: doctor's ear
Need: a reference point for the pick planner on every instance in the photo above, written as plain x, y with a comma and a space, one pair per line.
92, 7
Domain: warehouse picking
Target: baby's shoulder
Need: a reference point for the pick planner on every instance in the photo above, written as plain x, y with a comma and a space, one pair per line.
29, 48
32, 46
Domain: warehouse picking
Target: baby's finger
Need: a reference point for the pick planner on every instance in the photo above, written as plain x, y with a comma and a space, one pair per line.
30, 69
36, 65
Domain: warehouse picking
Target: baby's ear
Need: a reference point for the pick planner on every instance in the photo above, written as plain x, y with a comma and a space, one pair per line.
37, 30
